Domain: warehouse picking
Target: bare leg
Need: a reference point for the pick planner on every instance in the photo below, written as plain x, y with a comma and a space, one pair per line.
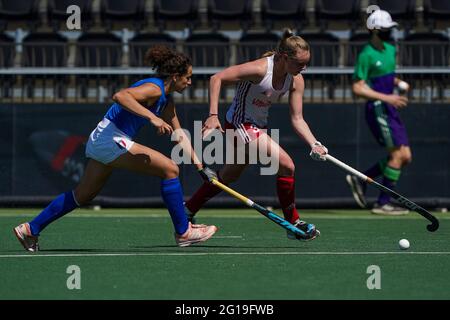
283, 166
93, 180
147, 161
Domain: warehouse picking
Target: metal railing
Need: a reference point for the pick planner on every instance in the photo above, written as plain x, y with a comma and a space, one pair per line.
99, 84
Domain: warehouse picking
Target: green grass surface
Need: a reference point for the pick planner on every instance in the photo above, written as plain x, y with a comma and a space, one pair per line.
131, 254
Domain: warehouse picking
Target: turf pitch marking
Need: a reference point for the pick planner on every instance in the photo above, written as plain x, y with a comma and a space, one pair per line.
318, 253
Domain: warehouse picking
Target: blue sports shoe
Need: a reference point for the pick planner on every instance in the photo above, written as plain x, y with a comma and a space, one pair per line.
308, 228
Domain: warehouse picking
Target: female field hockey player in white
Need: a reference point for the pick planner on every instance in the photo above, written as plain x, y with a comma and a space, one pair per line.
260, 83
111, 146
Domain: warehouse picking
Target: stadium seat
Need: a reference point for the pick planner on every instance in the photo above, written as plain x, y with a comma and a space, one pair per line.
131, 11
401, 11
141, 42
7, 51
206, 50
436, 10
57, 12
7, 54
287, 11
342, 10
98, 50
23, 11
45, 50
324, 49
230, 10
185, 11
425, 50
355, 44
253, 45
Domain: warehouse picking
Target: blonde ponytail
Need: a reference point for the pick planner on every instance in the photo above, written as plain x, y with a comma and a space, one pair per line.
290, 43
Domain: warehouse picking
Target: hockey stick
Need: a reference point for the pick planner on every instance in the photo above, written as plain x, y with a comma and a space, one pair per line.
433, 226
264, 211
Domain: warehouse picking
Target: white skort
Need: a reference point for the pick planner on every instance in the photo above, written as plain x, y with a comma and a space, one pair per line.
106, 143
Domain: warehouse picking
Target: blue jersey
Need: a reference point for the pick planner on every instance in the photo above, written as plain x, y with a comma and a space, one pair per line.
130, 123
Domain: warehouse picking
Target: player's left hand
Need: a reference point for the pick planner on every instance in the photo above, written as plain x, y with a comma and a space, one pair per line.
318, 151
207, 174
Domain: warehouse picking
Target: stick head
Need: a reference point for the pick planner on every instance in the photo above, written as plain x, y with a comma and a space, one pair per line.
432, 227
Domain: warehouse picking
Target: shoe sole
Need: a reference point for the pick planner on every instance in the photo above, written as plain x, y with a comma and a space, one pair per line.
384, 213
206, 237
355, 194
22, 241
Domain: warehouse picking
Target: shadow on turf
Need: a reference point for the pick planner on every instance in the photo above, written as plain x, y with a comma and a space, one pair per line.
212, 246
156, 248
74, 250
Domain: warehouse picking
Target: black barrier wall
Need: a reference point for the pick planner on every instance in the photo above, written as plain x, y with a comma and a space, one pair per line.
42, 155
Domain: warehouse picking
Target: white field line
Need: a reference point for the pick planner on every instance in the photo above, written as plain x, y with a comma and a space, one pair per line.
221, 216
137, 254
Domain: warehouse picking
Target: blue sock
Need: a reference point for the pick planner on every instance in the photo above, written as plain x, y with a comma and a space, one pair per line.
63, 204
172, 194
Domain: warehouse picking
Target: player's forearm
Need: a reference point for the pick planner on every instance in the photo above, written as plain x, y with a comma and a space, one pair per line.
182, 139
129, 103
302, 129
364, 91
215, 84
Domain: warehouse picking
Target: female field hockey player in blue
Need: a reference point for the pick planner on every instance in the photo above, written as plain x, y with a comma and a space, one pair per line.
375, 80
111, 146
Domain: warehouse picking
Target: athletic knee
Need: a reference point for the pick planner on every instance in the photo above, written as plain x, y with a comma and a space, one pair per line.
286, 169
407, 159
172, 171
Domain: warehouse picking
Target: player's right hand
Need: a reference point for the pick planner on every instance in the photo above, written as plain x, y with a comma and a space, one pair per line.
318, 151
210, 124
207, 174
397, 101
161, 126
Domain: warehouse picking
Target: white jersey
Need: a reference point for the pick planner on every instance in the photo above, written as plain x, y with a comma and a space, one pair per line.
252, 101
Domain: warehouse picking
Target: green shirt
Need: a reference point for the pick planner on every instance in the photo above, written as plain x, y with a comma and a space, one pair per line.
377, 67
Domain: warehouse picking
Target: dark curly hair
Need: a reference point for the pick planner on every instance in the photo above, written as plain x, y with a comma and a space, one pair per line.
167, 62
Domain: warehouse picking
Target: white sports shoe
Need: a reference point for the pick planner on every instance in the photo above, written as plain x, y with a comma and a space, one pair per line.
358, 190
389, 210
28, 241
194, 234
